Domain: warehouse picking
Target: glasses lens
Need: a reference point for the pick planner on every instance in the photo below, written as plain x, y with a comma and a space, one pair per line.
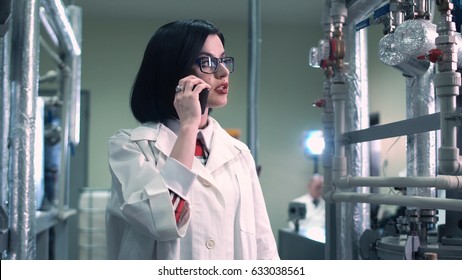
208, 64
229, 63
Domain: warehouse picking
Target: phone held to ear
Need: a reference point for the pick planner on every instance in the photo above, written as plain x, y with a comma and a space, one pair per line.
203, 96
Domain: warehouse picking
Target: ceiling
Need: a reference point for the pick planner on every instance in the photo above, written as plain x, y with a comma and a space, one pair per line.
275, 11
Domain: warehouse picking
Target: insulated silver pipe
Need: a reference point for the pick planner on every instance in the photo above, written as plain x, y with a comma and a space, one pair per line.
421, 148
75, 14
57, 14
349, 215
48, 27
412, 39
5, 102
24, 76
70, 114
254, 75
357, 118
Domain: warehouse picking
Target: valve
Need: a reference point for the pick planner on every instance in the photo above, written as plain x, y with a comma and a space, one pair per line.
433, 55
320, 54
320, 103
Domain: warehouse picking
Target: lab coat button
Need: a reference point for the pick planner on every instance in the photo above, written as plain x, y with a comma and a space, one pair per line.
210, 244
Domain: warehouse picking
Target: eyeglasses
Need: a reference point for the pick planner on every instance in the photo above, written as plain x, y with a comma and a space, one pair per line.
209, 65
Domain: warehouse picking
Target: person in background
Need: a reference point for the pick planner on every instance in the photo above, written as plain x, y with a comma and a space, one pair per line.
315, 218
182, 187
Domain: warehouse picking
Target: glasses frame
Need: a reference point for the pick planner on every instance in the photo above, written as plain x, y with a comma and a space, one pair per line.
219, 61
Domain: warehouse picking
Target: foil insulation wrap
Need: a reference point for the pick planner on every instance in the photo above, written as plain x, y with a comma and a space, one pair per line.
24, 76
415, 37
412, 39
421, 149
5, 54
355, 217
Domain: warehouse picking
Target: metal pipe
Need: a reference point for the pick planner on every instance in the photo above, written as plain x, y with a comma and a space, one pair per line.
48, 27
438, 182
75, 14
54, 56
401, 49
5, 106
70, 89
328, 132
57, 13
421, 148
357, 117
62, 188
410, 201
254, 75
447, 83
339, 90
24, 76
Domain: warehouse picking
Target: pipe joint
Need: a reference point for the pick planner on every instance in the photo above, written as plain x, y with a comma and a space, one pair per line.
328, 119
445, 39
447, 83
449, 182
448, 158
447, 79
338, 91
339, 166
338, 11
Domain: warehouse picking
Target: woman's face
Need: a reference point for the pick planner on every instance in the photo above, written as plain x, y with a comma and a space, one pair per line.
218, 81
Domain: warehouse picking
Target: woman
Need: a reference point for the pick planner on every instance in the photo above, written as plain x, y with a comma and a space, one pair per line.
166, 203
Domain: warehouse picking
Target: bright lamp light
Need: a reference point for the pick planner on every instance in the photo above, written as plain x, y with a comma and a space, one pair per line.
314, 142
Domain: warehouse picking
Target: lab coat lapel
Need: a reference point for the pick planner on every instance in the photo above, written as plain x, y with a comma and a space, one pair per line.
165, 140
222, 149
163, 137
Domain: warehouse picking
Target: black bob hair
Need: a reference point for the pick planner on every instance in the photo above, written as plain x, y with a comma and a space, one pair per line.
169, 56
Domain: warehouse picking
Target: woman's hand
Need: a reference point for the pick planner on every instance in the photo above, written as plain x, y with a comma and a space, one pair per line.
189, 112
187, 100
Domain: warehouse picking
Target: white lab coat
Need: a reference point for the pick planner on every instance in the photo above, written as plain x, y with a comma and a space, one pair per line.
140, 221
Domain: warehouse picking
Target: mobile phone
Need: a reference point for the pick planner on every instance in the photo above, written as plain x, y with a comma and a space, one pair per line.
203, 96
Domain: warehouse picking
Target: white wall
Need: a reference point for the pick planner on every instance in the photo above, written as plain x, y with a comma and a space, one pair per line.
112, 51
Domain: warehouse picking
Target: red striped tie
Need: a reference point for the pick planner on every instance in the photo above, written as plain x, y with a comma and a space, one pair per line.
179, 206
200, 152
199, 149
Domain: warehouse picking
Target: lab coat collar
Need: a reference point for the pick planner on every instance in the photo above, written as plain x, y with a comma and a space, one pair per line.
163, 137
223, 147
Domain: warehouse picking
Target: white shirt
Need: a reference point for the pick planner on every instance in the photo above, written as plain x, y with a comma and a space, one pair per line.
225, 217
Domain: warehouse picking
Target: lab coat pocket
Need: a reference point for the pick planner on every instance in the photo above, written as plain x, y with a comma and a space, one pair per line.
246, 210
246, 218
